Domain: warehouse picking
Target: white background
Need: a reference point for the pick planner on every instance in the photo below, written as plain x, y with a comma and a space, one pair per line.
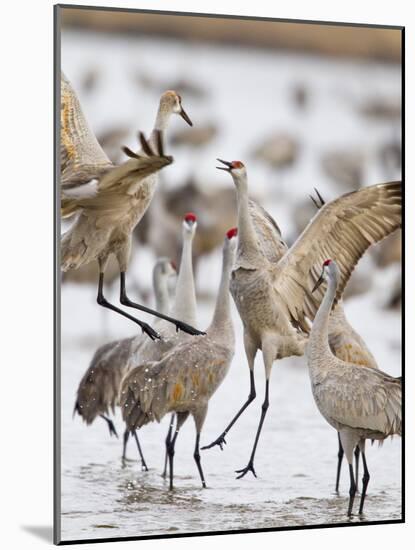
26, 124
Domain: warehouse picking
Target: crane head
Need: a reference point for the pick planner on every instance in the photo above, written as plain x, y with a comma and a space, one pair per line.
323, 277
232, 233
172, 101
230, 166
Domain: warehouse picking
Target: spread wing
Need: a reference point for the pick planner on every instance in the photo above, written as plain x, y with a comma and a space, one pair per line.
375, 404
341, 230
112, 192
268, 233
82, 157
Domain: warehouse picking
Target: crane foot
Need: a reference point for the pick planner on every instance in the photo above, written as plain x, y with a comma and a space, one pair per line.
147, 329
188, 329
244, 471
219, 441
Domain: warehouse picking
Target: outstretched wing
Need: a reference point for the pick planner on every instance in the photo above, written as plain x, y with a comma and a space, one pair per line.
82, 157
121, 178
268, 233
113, 191
341, 230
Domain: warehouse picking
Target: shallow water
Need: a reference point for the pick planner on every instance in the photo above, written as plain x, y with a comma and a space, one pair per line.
295, 463
297, 453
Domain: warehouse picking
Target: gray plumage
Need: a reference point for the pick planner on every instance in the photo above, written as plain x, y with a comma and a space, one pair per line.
358, 401
184, 380
98, 390
108, 200
274, 299
183, 307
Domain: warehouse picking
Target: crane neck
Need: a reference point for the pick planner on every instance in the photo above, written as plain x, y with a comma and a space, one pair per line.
161, 292
221, 327
248, 252
337, 317
320, 330
184, 305
161, 122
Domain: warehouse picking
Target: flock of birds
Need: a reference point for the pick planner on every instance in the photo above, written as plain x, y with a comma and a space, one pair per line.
289, 300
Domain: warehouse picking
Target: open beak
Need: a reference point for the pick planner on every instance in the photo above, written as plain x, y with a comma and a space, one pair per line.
318, 283
184, 116
226, 163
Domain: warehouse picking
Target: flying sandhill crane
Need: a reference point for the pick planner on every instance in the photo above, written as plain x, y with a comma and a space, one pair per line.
187, 377
359, 402
99, 388
274, 299
108, 200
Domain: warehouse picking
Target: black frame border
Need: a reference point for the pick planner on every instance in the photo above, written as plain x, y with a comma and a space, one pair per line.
57, 287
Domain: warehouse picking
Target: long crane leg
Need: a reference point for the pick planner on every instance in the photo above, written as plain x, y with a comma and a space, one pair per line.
252, 394
102, 301
140, 452
110, 423
125, 440
196, 456
181, 417
125, 301
356, 461
365, 482
168, 440
250, 466
352, 490
339, 462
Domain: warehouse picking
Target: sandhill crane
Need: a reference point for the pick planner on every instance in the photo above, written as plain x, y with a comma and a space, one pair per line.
359, 402
274, 299
108, 200
184, 380
183, 308
99, 387
346, 344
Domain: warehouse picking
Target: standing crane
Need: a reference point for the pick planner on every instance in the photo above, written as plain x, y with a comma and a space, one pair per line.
358, 401
108, 201
99, 388
349, 346
274, 299
184, 308
185, 379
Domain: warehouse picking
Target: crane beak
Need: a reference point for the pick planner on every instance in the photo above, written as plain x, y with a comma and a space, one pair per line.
226, 163
318, 283
184, 116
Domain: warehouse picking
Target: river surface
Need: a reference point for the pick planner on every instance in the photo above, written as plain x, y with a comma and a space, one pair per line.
295, 464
